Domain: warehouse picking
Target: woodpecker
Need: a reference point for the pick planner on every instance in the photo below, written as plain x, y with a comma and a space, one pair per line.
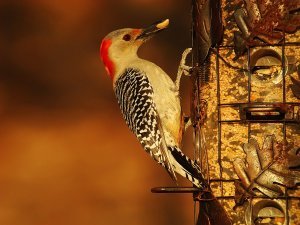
149, 99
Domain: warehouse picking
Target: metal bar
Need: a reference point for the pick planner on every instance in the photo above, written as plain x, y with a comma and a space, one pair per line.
297, 43
249, 89
283, 68
264, 197
249, 74
287, 197
178, 190
284, 124
175, 190
219, 119
251, 210
236, 104
261, 121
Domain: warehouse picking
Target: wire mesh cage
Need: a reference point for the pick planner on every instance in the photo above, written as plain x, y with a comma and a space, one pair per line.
248, 107
249, 99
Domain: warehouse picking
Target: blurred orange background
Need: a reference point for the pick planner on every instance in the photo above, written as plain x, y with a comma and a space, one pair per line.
67, 156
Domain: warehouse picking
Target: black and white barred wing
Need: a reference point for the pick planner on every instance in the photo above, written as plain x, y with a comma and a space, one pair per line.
135, 97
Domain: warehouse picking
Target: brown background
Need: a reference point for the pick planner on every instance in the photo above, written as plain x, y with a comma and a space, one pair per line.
67, 156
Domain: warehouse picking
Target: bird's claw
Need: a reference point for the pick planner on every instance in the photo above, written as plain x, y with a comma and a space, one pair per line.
187, 122
183, 68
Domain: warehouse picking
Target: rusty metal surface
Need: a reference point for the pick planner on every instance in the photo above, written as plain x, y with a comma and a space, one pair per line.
229, 87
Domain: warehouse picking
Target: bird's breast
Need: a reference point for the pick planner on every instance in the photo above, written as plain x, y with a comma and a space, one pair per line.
167, 102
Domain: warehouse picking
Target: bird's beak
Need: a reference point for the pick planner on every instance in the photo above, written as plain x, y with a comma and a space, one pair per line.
153, 29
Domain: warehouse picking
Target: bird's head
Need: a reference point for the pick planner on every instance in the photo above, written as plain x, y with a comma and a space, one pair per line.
120, 46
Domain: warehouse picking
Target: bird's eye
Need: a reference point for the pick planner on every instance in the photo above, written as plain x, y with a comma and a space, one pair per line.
126, 37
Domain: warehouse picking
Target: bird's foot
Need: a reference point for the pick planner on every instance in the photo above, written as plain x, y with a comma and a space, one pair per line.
183, 68
187, 122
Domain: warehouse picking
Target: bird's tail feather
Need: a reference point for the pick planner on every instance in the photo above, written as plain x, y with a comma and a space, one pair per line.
187, 167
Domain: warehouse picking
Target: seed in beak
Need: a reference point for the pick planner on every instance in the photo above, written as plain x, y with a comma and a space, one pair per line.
163, 24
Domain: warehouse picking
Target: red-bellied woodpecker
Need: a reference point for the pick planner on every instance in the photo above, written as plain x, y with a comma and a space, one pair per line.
149, 99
